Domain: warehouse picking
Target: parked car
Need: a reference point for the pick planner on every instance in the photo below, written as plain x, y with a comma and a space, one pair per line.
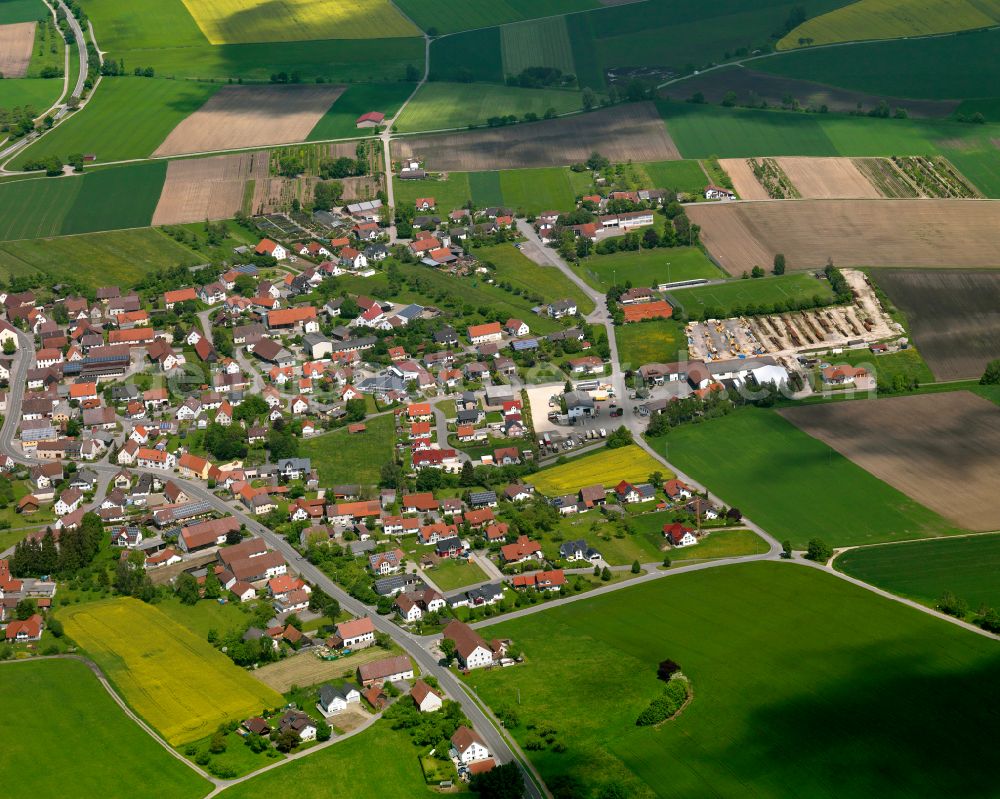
617, 411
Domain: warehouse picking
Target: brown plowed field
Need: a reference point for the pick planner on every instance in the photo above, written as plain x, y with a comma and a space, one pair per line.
953, 315
208, 188
943, 450
251, 116
16, 43
773, 89
629, 132
906, 233
744, 181
828, 179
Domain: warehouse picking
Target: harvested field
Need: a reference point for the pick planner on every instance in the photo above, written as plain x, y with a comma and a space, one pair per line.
943, 450
773, 89
16, 42
307, 669
744, 182
828, 179
208, 188
906, 233
251, 116
630, 132
954, 316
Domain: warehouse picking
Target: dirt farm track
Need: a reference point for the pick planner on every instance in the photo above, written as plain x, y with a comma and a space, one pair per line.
630, 132
904, 233
943, 450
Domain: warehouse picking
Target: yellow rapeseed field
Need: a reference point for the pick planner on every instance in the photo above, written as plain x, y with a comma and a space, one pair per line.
893, 19
244, 21
175, 680
608, 466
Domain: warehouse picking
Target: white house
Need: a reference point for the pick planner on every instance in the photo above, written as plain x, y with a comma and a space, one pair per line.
335, 699
467, 746
425, 698
718, 193
357, 633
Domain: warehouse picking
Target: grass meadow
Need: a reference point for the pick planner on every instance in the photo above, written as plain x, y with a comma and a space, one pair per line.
444, 17
38, 93
342, 457
652, 341
647, 267
63, 711
722, 544
246, 21
924, 570
799, 679
893, 19
517, 269
684, 176
442, 106
128, 118
939, 68
765, 291
606, 466
334, 771
171, 677
339, 121
451, 574
537, 190
472, 56
96, 259
537, 43
793, 485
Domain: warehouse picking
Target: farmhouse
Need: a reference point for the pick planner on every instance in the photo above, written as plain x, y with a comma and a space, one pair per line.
390, 669
356, 633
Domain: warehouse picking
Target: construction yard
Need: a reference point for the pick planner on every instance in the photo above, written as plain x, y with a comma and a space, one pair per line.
862, 322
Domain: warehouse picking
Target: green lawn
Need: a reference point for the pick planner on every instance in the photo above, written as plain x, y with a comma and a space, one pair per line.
517, 269
644, 545
440, 106
703, 131
127, 118
38, 93
335, 771
339, 121
907, 363
722, 544
206, 615
684, 176
96, 259
343, 457
448, 194
939, 68
732, 298
647, 267
803, 685
237, 759
451, 574
62, 710
532, 191
793, 485
655, 341
924, 570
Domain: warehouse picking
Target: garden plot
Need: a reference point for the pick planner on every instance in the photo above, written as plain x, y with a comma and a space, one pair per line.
940, 449
630, 132
16, 43
251, 116
208, 188
931, 233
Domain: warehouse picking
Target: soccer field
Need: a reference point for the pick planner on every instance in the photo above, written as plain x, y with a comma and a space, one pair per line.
176, 681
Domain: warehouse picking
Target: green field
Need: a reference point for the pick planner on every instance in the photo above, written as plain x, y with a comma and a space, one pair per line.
485, 189
537, 190
334, 771
893, 19
647, 267
527, 190
472, 56
655, 341
128, 118
448, 194
39, 93
49, 51
538, 43
339, 121
342, 457
63, 711
13, 11
733, 297
722, 544
174, 679
38, 207
793, 485
517, 269
684, 176
112, 199
803, 685
938, 68
444, 17
96, 259
442, 106
924, 570
908, 363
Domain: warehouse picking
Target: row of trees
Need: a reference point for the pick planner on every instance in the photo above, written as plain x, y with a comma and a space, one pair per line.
74, 550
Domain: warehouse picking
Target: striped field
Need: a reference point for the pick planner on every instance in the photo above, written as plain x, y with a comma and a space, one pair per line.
537, 43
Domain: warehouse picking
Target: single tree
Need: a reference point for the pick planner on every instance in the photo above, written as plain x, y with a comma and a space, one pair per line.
818, 550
